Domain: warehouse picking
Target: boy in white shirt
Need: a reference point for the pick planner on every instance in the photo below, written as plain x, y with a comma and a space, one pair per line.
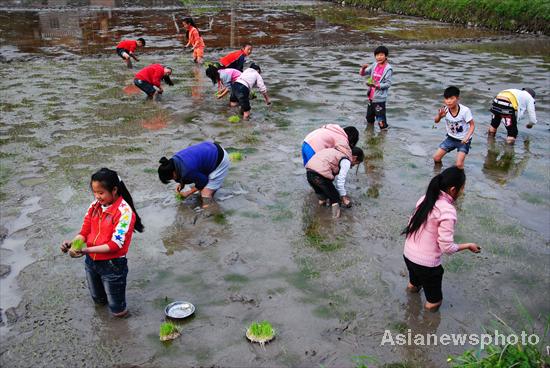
460, 127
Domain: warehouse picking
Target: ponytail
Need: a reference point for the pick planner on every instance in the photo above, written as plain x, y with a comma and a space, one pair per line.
109, 179
213, 73
449, 178
166, 170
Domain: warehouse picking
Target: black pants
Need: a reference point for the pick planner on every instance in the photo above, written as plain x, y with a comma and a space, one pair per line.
429, 278
377, 111
502, 112
241, 94
323, 187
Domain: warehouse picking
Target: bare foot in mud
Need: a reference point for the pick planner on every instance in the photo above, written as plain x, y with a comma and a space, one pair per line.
122, 314
432, 307
413, 289
322, 203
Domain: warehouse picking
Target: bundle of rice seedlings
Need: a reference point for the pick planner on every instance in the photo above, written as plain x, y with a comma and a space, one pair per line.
179, 197
234, 119
235, 156
76, 246
260, 332
168, 331
252, 95
370, 80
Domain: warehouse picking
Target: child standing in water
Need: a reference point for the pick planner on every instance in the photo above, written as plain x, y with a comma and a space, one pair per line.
460, 127
379, 82
205, 164
326, 173
126, 48
107, 231
194, 39
329, 136
430, 233
240, 92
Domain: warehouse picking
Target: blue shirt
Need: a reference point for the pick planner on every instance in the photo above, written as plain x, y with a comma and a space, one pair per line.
195, 163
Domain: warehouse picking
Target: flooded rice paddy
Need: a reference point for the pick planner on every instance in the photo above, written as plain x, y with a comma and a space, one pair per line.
265, 250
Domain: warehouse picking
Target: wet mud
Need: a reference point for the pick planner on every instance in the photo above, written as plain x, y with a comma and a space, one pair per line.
264, 250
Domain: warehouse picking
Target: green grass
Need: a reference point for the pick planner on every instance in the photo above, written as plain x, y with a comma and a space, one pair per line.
510, 15
167, 328
510, 355
261, 330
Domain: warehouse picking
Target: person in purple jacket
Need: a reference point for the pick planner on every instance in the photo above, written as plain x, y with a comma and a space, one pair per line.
205, 165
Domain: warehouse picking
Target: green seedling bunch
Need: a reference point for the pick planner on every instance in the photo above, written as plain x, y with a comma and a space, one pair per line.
261, 330
235, 156
234, 119
77, 245
370, 80
179, 197
168, 331
252, 95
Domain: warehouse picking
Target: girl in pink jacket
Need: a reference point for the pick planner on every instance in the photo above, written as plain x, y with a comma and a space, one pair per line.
329, 136
430, 233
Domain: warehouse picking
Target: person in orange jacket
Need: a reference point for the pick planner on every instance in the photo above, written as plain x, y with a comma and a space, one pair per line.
194, 40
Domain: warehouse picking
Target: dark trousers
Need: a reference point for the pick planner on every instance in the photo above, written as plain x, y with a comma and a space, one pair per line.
376, 111
107, 282
323, 187
502, 112
429, 278
241, 94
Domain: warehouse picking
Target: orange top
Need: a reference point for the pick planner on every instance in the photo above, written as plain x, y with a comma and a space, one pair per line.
195, 39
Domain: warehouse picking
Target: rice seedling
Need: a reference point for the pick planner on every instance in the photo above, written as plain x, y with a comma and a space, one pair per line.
76, 247
253, 95
260, 332
168, 331
235, 156
179, 197
234, 119
370, 80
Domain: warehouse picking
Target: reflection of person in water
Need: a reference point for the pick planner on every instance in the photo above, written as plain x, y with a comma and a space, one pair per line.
502, 168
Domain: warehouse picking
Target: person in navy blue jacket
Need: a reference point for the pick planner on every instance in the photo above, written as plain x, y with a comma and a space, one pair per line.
205, 165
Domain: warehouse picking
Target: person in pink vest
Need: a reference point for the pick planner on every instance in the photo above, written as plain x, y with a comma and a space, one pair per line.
329, 136
430, 233
326, 173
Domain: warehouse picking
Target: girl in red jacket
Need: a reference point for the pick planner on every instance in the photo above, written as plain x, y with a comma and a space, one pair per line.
107, 232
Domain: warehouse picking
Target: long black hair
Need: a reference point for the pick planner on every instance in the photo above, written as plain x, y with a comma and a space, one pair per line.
166, 170
447, 179
213, 73
353, 135
190, 20
109, 179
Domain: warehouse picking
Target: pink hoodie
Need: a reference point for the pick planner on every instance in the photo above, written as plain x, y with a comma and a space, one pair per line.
329, 136
435, 236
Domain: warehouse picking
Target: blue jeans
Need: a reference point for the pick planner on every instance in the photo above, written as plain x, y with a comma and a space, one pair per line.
107, 282
307, 152
451, 143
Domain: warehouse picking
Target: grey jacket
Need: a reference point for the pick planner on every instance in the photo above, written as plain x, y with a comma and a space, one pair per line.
381, 94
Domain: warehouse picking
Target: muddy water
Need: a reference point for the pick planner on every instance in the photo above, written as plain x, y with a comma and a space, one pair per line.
265, 251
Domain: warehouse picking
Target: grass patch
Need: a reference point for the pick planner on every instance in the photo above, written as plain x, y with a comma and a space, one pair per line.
315, 239
235, 277
149, 170
220, 219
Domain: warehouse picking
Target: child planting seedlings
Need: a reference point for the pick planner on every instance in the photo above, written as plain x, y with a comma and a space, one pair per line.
148, 79
126, 48
205, 165
240, 92
260, 332
107, 231
224, 78
169, 331
329, 136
